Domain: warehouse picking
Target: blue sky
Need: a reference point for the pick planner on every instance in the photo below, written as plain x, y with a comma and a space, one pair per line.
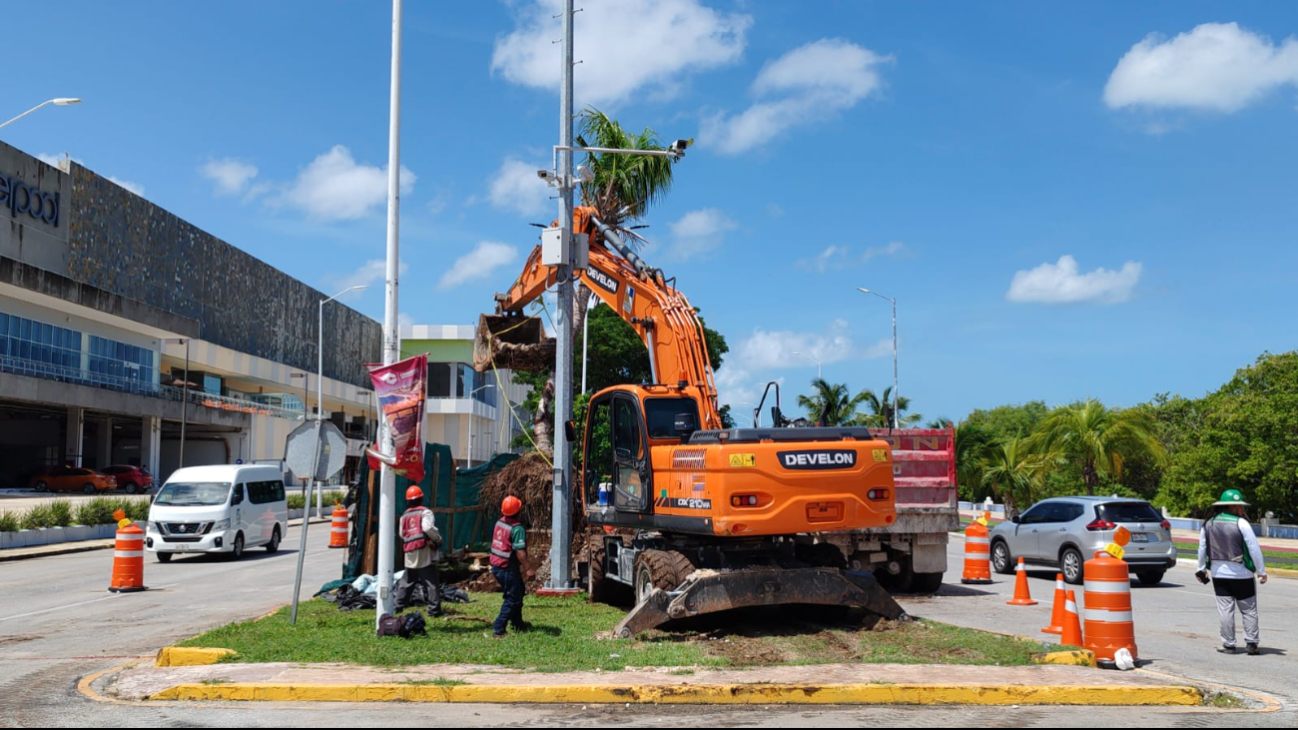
1066, 203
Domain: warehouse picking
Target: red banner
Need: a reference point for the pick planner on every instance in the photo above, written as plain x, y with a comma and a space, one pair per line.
401, 389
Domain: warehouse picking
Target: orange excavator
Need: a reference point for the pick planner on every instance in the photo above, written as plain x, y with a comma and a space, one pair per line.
722, 518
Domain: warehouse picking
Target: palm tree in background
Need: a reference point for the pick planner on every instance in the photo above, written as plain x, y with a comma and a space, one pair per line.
834, 400
972, 447
1015, 472
1101, 439
880, 415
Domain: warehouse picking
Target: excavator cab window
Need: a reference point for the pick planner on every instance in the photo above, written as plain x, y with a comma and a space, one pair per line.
598, 449
661, 414
630, 482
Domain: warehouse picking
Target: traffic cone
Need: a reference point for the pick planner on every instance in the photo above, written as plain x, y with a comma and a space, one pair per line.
1072, 633
1022, 597
1057, 615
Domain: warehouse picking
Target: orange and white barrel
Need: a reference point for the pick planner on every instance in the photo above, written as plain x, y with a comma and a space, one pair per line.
128, 560
977, 554
1108, 626
338, 527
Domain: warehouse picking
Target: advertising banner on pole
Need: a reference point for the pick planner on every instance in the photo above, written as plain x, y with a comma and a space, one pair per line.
401, 389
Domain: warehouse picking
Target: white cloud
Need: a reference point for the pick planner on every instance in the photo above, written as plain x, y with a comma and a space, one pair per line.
767, 349
517, 188
698, 233
136, 188
1217, 66
801, 87
623, 46
230, 175
335, 187
892, 249
1060, 283
831, 257
371, 273
478, 264
404, 320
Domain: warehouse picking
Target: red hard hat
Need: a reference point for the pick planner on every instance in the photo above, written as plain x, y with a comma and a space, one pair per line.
414, 494
511, 506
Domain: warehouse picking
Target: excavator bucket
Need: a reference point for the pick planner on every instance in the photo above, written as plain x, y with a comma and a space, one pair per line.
710, 591
512, 341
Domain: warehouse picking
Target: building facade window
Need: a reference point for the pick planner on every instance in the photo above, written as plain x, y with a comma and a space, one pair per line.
117, 362
37, 348
458, 380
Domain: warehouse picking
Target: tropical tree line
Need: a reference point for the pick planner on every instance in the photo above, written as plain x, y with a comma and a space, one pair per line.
832, 404
1177, 452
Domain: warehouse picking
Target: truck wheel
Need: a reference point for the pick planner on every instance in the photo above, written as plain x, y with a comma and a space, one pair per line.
821, 555
899, 583
600, 588
665, 569
926, 582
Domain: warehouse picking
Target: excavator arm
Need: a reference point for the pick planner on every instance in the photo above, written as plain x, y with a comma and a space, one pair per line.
641, 296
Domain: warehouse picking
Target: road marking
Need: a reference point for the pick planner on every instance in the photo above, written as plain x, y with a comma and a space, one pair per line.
74, 605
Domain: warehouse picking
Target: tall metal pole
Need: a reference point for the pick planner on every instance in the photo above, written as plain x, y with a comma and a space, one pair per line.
319, 406
895, 396
561, 521
184, 405
391, 332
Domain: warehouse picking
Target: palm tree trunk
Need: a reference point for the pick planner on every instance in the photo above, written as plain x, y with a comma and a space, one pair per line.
1089, 478
543, 419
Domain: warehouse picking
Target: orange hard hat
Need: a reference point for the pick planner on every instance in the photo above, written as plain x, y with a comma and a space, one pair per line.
511, 506
414, 494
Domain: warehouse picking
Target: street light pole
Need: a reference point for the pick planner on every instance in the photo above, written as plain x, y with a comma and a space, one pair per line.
391, 329
319, 391
61, 101
896, 398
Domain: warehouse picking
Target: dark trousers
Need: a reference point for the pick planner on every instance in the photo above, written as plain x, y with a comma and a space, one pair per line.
511, 609
419, 586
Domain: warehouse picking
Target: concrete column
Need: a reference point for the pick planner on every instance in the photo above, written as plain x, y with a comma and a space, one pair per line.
104, 444
151, 445
76, 434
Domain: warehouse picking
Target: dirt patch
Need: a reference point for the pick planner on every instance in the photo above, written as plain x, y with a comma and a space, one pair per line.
531, 479
745, 650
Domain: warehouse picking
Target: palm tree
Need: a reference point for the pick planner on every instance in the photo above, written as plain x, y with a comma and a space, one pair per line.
623, 186
880, 415
1101, 439
972, 446
1014, 472
841, 406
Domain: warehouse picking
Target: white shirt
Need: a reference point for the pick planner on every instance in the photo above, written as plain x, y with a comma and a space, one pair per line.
1226, 569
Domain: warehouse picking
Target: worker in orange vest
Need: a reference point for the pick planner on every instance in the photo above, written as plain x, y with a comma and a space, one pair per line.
509, 561
421, 543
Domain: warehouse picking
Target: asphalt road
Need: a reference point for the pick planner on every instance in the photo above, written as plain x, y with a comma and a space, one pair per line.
57, 625
1176, 624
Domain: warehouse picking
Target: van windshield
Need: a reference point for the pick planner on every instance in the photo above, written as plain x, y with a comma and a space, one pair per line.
193, 494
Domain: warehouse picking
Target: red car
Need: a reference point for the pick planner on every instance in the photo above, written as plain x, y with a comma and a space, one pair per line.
131, 478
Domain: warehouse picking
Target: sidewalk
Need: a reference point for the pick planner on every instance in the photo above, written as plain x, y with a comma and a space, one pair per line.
81, 546
814, 684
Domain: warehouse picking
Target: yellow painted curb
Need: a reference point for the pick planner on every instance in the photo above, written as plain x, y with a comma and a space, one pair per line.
732, 694
1282, 572
189, 656
1078, 658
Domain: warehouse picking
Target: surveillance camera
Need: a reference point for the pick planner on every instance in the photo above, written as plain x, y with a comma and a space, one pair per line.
585, 174
545, 175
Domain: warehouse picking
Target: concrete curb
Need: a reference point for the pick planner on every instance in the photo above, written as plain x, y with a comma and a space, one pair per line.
1076, 658
725, 694
189, 656
60, 549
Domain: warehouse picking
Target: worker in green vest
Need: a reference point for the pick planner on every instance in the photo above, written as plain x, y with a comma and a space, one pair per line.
1228, 548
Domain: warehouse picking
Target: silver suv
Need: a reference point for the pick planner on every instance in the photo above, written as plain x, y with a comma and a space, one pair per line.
1068, 531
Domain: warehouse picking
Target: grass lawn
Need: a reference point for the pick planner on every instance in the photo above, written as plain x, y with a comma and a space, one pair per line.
563, 638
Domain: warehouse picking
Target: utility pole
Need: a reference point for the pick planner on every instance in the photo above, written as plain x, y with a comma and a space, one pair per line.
561, 519
391, 331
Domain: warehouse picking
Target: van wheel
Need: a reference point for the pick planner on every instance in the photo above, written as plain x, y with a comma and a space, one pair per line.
163, 557
237, 549
273, 545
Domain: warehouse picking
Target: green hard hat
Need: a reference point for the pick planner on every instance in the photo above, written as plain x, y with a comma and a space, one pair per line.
1230, 497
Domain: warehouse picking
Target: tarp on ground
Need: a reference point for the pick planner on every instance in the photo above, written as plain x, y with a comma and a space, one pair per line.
452, 494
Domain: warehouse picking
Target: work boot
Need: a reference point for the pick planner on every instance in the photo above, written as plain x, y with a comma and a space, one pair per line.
525, 626
1225, 650
1253, 650
501, 635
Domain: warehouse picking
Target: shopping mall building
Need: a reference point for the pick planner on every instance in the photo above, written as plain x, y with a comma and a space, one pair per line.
103, 296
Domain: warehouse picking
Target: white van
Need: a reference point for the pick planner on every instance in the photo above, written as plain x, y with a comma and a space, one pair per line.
218, 509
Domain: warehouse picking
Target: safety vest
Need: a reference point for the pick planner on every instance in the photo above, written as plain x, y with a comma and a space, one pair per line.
412, 529
502, 543
1226, 542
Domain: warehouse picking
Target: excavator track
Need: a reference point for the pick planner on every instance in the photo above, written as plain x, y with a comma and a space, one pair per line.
711, 591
